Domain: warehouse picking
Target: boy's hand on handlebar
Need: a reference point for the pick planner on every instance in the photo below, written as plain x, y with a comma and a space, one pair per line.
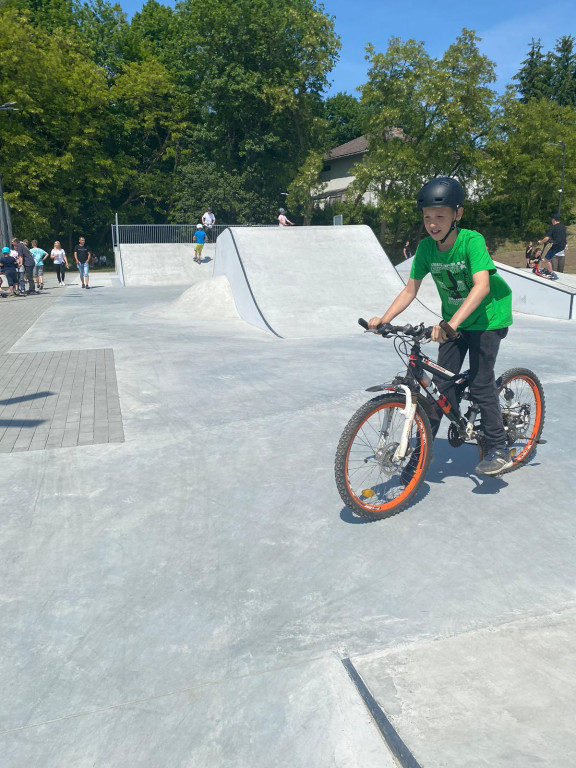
444, 332
438, 335
374, 322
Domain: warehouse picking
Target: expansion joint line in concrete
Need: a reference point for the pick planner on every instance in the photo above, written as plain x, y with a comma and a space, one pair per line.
390, 734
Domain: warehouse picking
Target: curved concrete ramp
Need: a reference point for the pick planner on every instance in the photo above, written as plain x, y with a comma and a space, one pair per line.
310, 281
531, 295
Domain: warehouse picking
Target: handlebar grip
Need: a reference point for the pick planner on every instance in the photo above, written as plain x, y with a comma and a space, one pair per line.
449, 331
363, 323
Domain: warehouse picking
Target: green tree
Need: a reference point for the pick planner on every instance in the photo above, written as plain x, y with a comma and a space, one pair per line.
526, 167
47, 15
425, 117
51, 153
198, 184
305, 186
147, 123
563, 66
535, 76
111, 39
255, 71
344, 116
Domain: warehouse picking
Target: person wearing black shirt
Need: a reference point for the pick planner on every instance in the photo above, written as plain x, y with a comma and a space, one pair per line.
556, 236
528, 254
82, 255
27, 261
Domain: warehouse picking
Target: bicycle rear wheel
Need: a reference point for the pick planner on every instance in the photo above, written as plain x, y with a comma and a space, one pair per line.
523, 410
370, 481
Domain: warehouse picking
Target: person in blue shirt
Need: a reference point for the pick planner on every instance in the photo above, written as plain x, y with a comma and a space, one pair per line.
40, 257
199, 238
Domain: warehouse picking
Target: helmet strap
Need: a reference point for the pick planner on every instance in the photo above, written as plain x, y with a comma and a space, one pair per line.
447, 235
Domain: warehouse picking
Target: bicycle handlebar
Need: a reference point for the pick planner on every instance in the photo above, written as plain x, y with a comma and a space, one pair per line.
386, 329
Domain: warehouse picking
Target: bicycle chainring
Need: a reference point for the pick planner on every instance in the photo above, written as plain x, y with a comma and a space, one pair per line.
454, 437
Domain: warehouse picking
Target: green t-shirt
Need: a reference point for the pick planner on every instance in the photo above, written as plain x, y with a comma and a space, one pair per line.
452, 272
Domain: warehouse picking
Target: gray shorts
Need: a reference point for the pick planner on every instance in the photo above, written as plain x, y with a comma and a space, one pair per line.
38, 270
557, 261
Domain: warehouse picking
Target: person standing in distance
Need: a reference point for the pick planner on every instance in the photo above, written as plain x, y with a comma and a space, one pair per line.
82, 256
476, 311
283, 220
208, 219
407, 250
58, 255
26, 261
40, 257
199, 238
556, 236
9, 266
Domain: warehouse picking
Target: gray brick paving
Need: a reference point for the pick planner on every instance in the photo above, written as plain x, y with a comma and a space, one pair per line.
53, 399
47, 400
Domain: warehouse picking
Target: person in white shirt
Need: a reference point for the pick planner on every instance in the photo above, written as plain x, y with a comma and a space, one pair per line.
208, 219
58, 256
283, 220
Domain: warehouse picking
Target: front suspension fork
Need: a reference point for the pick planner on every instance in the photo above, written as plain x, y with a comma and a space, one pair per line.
409, 412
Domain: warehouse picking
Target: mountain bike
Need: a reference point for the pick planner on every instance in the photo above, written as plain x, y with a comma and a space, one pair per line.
385, 450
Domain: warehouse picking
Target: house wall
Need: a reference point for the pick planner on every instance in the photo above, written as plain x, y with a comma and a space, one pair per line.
337, 179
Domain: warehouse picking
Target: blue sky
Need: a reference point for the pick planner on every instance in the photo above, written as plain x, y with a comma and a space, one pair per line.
505, 26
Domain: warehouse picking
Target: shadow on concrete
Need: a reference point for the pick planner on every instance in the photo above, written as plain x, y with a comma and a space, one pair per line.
26, 398
347, 516
22, 423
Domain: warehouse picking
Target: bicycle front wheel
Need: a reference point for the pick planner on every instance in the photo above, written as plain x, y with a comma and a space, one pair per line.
523, 409
371, 481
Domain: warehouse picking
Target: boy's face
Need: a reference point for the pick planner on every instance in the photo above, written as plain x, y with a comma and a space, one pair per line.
437, 221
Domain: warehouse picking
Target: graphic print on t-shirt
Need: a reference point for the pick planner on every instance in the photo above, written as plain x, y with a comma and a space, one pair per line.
453, 278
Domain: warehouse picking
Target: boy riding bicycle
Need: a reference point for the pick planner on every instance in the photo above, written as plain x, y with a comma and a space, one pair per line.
476, 308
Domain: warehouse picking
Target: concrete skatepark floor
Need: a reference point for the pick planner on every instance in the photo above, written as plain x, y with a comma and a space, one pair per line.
184, 598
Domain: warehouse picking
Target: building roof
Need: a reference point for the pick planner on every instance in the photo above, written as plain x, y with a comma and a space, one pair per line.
355, 147
360, 145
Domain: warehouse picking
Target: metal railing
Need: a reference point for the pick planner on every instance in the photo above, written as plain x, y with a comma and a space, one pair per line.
141, 234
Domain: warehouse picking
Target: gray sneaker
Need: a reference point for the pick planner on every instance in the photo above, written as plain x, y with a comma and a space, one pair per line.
496, 461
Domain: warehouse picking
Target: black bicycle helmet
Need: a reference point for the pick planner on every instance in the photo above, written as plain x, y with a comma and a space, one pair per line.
443, 190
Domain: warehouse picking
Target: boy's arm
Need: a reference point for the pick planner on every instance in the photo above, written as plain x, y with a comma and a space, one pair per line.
403, 300
480, 290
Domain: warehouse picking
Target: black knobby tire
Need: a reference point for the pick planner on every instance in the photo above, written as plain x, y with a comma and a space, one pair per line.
369, 486
523, 413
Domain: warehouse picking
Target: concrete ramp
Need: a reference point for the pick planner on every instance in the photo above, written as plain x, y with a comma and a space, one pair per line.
163, 264
534, 295
310, 281
531, 295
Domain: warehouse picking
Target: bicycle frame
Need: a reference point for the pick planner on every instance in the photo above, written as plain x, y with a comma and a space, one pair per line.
415, 380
